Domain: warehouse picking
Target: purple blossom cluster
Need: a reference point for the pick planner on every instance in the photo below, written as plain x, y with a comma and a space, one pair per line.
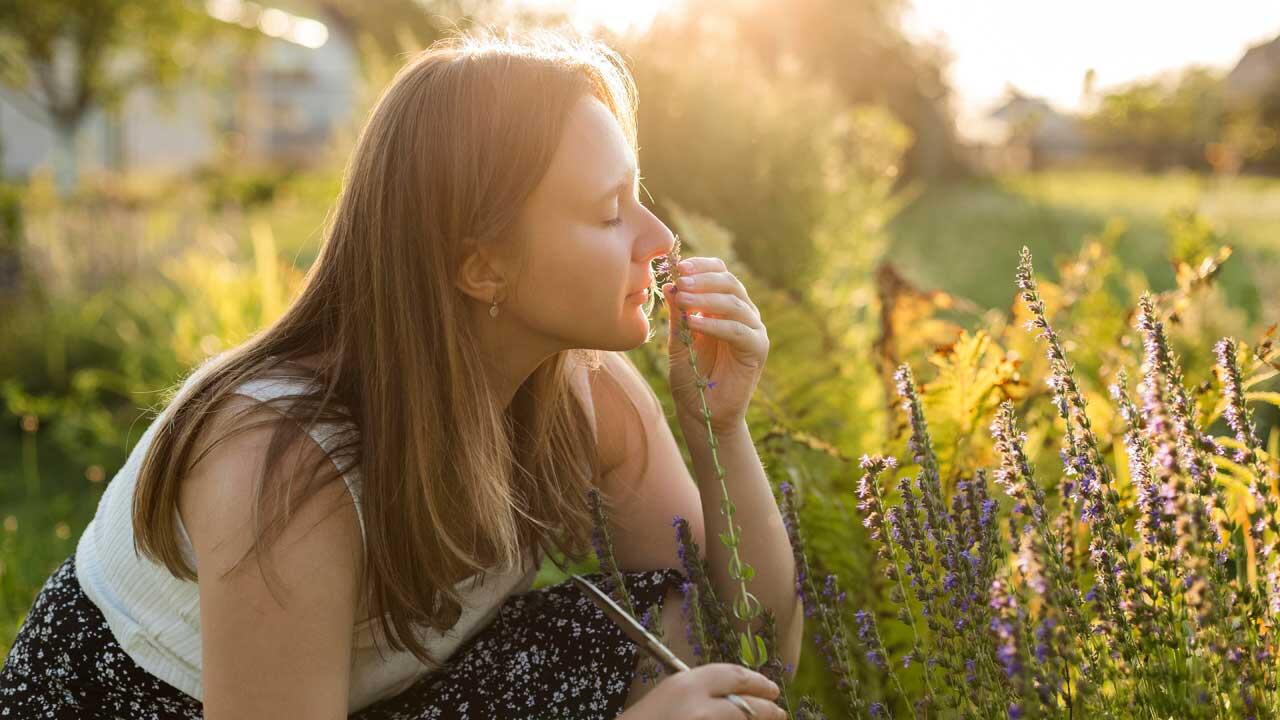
1082, 592
1119, 582
830, 635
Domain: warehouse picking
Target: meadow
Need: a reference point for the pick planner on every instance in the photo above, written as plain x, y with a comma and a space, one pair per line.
130, 288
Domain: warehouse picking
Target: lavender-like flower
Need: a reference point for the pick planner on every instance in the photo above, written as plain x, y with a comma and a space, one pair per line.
1194, 447
1041, 551
1263, 519
831, 638
1240, 420
1195, 526
602, 542
715, 632
1007, 621
1088, 473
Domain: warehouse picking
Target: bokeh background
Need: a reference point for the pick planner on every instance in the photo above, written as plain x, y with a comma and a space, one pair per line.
871, 168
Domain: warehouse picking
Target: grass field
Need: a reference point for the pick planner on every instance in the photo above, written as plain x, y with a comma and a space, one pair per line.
959, 237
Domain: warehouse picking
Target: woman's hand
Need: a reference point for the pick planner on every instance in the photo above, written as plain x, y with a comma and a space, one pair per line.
700, 692
729, 340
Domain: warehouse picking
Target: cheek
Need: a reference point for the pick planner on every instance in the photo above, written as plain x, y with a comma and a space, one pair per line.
582, 277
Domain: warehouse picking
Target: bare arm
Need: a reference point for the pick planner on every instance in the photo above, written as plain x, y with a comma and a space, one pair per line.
651, 486
642, 532
264, 660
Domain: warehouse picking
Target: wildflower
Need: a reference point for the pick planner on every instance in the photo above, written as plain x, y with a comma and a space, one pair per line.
831, 639
603, 545
1240, 420
1088, 478
1199, 545
714, 631
870, 638
694, 630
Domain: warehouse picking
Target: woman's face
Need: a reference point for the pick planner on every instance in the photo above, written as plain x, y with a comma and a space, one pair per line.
588, 240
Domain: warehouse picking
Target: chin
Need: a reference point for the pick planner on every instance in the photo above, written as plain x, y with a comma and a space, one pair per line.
632, 328
635, 330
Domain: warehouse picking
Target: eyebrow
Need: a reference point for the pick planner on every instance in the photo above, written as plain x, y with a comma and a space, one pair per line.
628, 176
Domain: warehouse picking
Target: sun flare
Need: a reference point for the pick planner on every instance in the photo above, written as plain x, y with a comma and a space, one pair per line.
618, 17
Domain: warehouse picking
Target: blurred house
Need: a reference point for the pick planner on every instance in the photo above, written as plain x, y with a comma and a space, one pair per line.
1027, 133
279, 104
1257, 73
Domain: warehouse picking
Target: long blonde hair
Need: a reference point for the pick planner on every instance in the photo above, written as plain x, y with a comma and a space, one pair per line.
452, 486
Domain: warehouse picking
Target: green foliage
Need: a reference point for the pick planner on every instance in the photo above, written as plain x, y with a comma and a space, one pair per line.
162, 36
973, 377
789, 176
10, 216
1163, 122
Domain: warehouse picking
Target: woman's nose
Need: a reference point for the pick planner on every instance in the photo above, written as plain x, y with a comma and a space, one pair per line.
658, 240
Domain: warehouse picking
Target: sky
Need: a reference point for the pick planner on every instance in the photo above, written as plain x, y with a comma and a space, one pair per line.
1043, 47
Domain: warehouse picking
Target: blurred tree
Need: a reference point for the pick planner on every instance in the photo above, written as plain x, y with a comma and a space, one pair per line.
1164, 122
391, 27
859, 46
780, 162
1252, 131
67, 56
387, 31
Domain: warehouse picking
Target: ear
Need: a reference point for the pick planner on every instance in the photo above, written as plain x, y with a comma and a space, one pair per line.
482, 274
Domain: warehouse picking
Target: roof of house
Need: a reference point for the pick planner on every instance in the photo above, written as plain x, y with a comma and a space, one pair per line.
1257, 70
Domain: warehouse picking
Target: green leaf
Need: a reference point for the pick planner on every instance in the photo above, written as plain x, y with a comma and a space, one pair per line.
763, 655
973, 377
745, 651
727, 539
1264, 396
748, 572
727, 507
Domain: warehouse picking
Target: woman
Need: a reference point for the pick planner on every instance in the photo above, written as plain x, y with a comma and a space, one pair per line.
453, 359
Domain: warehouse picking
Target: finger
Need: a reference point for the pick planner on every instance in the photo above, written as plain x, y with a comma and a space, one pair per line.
721, 280
715, 281
731, 331
722, 304
734, 678
763, 708
699, 264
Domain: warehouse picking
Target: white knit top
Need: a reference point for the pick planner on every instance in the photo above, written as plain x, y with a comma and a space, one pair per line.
155, 617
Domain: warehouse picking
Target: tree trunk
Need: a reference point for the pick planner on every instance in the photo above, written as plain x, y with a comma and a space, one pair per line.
65, 168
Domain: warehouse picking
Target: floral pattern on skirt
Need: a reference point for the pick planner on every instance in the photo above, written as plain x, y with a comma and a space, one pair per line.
548, 653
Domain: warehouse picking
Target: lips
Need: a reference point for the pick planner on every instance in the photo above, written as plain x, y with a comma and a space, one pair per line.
646, 286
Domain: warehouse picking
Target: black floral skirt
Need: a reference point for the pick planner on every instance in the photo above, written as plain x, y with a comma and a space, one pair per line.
548, 653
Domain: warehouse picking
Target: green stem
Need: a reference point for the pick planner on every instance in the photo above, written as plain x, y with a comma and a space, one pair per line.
726, 507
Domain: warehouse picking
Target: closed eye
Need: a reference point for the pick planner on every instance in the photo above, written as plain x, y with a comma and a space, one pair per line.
615, 222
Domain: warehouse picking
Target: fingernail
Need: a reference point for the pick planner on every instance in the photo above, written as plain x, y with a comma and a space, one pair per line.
685, 265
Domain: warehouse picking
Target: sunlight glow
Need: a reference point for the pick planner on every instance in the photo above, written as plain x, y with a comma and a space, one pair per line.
273, 22
618, 16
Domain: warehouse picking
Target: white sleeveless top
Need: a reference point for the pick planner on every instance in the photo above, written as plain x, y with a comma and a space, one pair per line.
155, 617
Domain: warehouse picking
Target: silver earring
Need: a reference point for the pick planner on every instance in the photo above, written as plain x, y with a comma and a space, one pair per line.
493, 309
